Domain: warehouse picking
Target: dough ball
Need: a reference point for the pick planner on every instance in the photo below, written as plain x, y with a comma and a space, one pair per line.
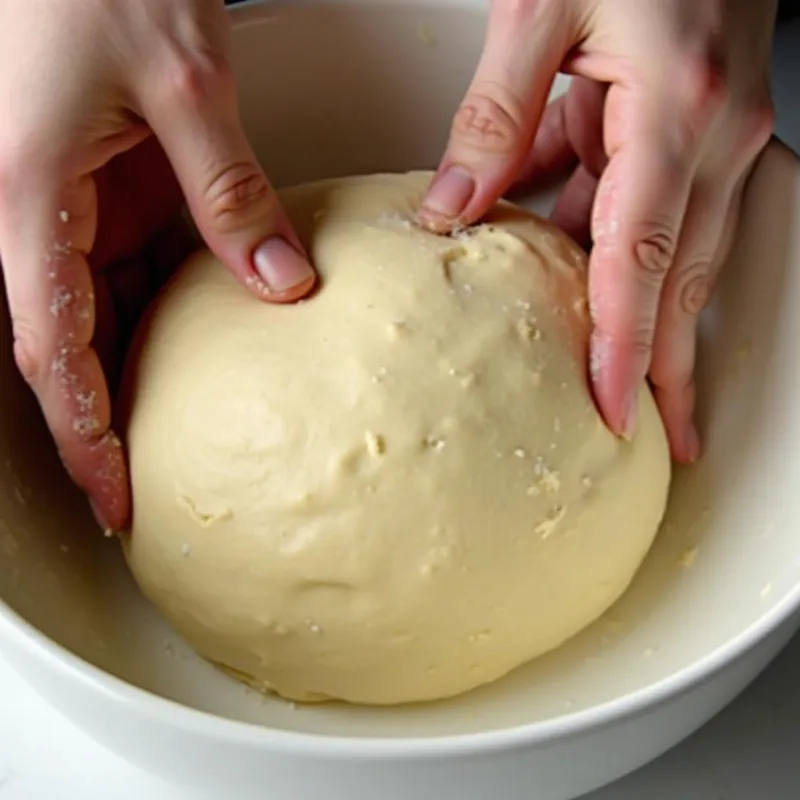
399, 489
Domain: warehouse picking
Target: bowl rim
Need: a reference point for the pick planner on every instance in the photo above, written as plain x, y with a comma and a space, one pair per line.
163, 711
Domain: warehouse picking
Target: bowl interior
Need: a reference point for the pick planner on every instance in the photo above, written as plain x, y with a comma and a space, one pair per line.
331, 88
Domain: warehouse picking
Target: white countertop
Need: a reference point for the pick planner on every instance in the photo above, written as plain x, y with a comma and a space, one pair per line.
749, 752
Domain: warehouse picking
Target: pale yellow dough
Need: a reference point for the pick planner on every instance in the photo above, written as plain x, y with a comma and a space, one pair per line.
400, 489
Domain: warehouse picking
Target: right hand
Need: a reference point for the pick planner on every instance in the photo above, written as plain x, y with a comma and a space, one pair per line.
84, 85
667, 114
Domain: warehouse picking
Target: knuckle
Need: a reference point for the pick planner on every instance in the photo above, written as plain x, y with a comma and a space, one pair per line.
703, 92
27, 350
706, 82
669, 372
635, 340
195, 79
237, 195
694, 287
641, 344
636, 343
759, 125
490, 120
653, 254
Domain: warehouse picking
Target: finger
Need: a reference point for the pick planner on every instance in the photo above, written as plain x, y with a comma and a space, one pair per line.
573, 208
571, 128
552, 153
195, 116
706, 239
493, 129
687, 290
45, 235
585, 111
637, 217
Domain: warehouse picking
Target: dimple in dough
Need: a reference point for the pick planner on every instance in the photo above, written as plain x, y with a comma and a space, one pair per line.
400, 489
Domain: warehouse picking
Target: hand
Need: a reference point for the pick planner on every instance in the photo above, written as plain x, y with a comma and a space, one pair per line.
667, 113
83, 184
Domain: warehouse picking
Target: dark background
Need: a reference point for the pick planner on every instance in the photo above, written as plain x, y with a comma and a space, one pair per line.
788, 9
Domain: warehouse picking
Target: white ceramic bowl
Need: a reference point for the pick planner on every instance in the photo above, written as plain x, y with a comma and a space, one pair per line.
357, 86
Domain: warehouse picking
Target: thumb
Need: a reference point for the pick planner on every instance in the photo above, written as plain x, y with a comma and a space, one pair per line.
494, 127
233, 203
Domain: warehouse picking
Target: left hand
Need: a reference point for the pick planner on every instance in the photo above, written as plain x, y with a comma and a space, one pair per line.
668, 111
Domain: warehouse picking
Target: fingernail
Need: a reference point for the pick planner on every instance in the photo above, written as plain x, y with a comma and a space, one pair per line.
630, 419
280, 266
692, 444
448, 196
